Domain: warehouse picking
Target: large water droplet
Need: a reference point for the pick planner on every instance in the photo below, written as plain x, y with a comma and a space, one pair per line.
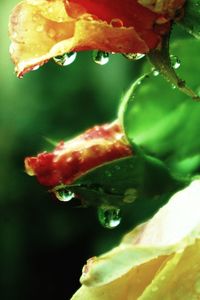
100, 57
109, 216
134, 56
65, 59
175, 61
64, 195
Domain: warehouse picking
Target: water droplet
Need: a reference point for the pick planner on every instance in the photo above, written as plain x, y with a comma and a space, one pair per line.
134, 56
162, 277
173, 86
175, 61
109, 216
130, 195
100, 57
116, 22
64, 195
65, 59
108, 173
154, 289
51, 33
156, 73
117, 167
39, 28
88, 265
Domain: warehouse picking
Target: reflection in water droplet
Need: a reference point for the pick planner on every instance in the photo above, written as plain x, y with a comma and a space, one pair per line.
134, 56
51, 33
64, 195
156, 73
175, 61
65, 59
100, 57
109, 216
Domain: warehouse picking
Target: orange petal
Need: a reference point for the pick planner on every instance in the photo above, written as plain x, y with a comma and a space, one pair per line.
42, 29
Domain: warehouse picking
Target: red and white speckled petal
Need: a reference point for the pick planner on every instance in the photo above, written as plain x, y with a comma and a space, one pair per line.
72, 159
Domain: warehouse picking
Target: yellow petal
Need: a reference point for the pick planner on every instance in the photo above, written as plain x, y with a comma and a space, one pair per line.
159, 253
40, 30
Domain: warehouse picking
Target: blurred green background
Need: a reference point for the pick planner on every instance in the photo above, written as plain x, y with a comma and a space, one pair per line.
44, 243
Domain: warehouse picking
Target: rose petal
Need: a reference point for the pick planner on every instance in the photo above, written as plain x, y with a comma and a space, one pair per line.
40, 30
164, 252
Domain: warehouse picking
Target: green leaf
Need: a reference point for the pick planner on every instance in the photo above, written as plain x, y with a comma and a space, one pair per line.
140, 183
162, 120
191, 19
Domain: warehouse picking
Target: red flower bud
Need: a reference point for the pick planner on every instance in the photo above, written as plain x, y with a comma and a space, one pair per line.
69, 160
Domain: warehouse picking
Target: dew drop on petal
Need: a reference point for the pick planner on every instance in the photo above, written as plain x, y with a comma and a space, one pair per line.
51, 33
134, 56
116, 22
64, 195
100, 57
39, 28
65, 59
175, 61
109, 216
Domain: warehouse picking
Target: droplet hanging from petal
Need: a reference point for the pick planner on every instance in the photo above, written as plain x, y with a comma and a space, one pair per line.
100, 57
134, 56
65, 59
109, 216
64, 195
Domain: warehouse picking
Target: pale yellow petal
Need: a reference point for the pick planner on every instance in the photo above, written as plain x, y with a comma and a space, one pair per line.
160, 252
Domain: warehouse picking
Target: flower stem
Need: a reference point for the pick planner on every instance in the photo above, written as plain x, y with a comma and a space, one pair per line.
160, 58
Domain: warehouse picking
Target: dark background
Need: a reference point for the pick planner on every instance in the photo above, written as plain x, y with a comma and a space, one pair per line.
44, 243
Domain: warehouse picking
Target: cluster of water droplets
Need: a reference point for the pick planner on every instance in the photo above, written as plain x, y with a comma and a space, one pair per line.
109, 216
98, 56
